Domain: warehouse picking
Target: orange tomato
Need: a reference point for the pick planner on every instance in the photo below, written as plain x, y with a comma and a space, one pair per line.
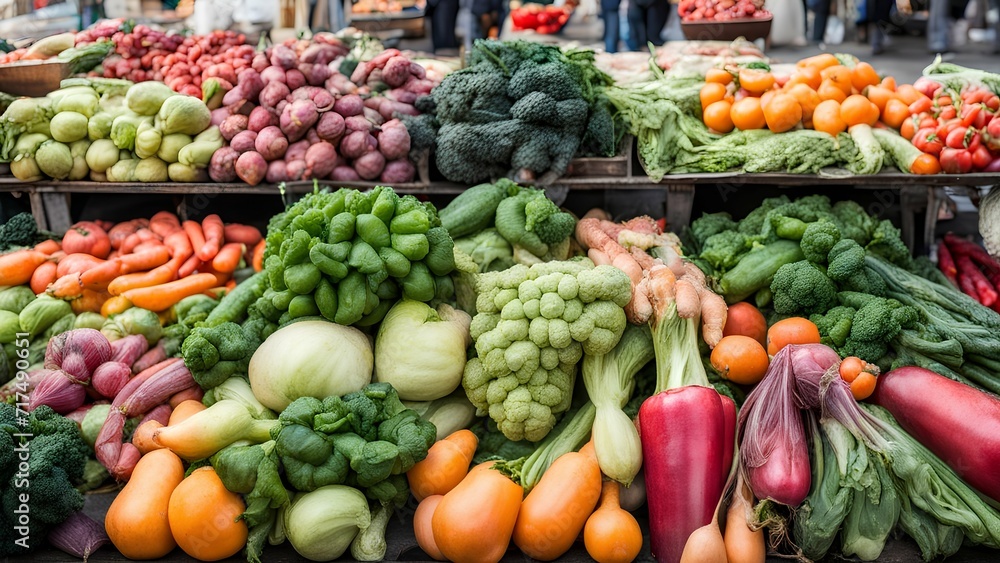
888, 82
863, 386
925, 164
879, 96
746, 320
863, 74
858, 109
826, 118
806, 75
908, 127
793, 330
828, 90
718, 76
756, 81
850, 367
908, 93
747, 114
840, 76
765, 98
807, 97
819, 62
782, 113
895, 114
740, 359
717, 116
710, 93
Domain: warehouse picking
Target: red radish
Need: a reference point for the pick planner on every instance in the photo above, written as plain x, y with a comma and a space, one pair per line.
936, 410
683, 439
729, 443
961, 246
947, 264
984, 292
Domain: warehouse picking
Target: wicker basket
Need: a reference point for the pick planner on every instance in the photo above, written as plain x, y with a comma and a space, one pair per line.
32, 78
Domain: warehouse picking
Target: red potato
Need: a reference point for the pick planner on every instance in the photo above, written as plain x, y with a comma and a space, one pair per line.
394, 140
251, 167
249, 79
219, 115
401, 95
331, 127
357, 143
297, 118
374, 116
396, 71
349, 105
344, 174
397, 172
232, 125
296, 170
418, 71
222, 167
260, 118
297, 150
283, 57
316, 74
295, 79
260, 62
319, 53
390, 109
270, 143
322, 98
277, 171
273, 93
244, 141
320, 160
312, 137
935, 409
358, 123
370, 165
341, 84
273, 74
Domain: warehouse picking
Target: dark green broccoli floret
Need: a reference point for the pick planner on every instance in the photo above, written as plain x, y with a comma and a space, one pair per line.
876, 322
854, 222
835, 325
423, 130
57, 456
546, 153
801, 287
711, 224
473, 96
818, 239
477, 152
867, 350
753, 223
845, 260
867, 281
789, 221
555, 78
603, 133
215, 354
724, 250
887, 243
19, 230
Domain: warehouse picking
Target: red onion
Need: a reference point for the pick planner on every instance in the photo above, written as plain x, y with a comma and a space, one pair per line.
79, 536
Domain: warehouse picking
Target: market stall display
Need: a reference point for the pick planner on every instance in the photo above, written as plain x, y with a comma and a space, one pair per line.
766, 380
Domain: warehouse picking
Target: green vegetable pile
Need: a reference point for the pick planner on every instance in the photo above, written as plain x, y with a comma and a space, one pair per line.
532, 328
520, 108
21, 230
57, 458
366, 440
109, 130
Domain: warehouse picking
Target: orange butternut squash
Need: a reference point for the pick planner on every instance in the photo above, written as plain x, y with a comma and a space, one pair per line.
204, 516
137, 520
473, 522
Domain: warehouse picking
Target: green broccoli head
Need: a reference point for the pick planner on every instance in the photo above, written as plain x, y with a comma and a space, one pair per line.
472, 95
544, 217
835, 325
725, 249
557, 79
472, 153
253, 471
19, 230
887, 243
801, 287
855, 223
865, 281
753, 223
818, 240
845, 260
881, 319
711, 224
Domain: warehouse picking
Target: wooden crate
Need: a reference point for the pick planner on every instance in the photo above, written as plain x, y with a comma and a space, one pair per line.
32, 78
618, 166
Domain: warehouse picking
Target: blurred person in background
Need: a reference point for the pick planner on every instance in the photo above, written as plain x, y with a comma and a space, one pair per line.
646, 20
821, 13
487, 15
443, 15
612, 24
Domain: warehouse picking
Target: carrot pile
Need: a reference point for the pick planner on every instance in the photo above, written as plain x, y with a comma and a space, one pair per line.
149, 263
969, 268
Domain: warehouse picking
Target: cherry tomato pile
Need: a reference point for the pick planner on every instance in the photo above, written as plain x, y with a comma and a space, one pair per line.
180, 62
721, 10
543, 19
960, 128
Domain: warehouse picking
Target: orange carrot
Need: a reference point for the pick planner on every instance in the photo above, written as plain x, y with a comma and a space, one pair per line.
48, 246
179, 245
195, 234
156, 276
17, 267
146, 245
76, 263
160, 297
258, 256
115, 305
66, 287
190, 266
101, 275
244, 234
228, 258
43, 275
222, 278
164, 223
214, 233
142, 261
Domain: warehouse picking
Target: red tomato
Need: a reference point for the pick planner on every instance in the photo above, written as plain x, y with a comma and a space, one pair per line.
981, 157
956, 161
957, 139
928, 141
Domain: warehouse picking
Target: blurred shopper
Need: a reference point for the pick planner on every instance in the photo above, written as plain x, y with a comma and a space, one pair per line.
612, 24
443, 15
821, 13
788, 25
646, 19
488, 14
